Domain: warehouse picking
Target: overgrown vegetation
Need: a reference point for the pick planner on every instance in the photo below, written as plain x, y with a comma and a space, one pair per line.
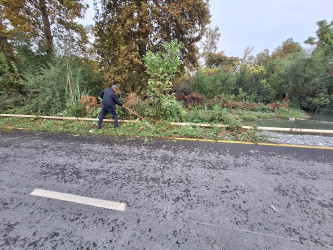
49, 68
140, 129
161, 68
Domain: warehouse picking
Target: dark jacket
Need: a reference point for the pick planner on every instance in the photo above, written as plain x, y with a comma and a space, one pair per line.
110, 99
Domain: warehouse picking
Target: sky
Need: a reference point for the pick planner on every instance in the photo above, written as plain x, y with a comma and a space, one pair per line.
261, 24
265, 24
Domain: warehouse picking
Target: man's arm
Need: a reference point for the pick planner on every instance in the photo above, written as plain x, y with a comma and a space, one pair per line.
115, 99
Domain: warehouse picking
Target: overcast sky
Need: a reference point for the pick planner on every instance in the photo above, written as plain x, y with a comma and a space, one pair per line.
262, 24
265, 24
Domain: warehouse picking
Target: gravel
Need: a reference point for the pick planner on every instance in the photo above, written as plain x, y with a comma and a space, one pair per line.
297, 139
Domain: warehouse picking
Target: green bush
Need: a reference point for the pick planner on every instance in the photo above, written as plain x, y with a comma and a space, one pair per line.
9, 75
172, 110
58, 87
213, 116
162, 67
212, 85
46, 91
75, 109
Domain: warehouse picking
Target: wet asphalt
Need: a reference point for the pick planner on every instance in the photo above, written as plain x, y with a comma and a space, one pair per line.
179, 194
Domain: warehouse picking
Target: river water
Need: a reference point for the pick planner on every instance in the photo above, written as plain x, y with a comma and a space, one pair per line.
316, 121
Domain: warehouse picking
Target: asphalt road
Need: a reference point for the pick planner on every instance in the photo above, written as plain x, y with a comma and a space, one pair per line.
178, 194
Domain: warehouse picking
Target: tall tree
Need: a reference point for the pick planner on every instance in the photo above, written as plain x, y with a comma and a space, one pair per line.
324, 37
43, 21
263, 58
126, 29
5, 47
288, 47
223, 62
209, 44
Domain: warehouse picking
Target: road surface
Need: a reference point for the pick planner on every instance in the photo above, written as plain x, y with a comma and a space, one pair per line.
63, 191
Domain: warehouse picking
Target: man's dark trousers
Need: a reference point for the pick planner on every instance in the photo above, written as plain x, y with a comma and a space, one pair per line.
104, 113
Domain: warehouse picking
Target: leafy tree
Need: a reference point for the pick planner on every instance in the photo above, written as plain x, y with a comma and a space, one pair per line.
44, 22
5, 46
248, 57
162, 67
213, 82
125, 30
324, 37
223, 62
209, 44
288, 47
9, 75
263, 58
250, 79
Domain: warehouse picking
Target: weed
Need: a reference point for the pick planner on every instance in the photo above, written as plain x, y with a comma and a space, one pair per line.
146, 141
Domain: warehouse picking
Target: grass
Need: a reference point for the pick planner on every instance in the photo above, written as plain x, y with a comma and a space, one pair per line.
233, 117
281, 113
142, 129
237, 116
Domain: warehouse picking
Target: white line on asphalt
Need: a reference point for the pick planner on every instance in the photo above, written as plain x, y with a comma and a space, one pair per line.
80, 199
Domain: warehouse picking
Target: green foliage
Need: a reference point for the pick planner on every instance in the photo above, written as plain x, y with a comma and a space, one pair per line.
321, 103
161, 68
9, 75
58, 87
44, 23
212, 85
249, 79
266, 93
46, 90
243, 96
287, 48
324, 39
144, 130
126, 30
172, 110
214, 114
183, 84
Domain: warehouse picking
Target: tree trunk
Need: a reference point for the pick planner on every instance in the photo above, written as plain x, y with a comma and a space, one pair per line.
142, 36
47, 27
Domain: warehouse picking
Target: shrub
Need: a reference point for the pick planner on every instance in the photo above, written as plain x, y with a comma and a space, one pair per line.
172, 110
183, 84
219, 115
162, 67
46, 91
132, 100
10, 76
212, 85
58, 86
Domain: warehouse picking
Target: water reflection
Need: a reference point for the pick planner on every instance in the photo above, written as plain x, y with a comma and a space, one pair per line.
317, 121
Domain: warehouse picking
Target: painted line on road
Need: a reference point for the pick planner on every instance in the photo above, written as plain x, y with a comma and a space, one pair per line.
250, 143
80, 199
122, 207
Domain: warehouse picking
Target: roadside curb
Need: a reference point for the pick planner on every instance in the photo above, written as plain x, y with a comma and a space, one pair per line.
275, 129
209, 140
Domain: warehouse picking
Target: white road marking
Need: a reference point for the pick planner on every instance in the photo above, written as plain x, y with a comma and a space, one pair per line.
80, 199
